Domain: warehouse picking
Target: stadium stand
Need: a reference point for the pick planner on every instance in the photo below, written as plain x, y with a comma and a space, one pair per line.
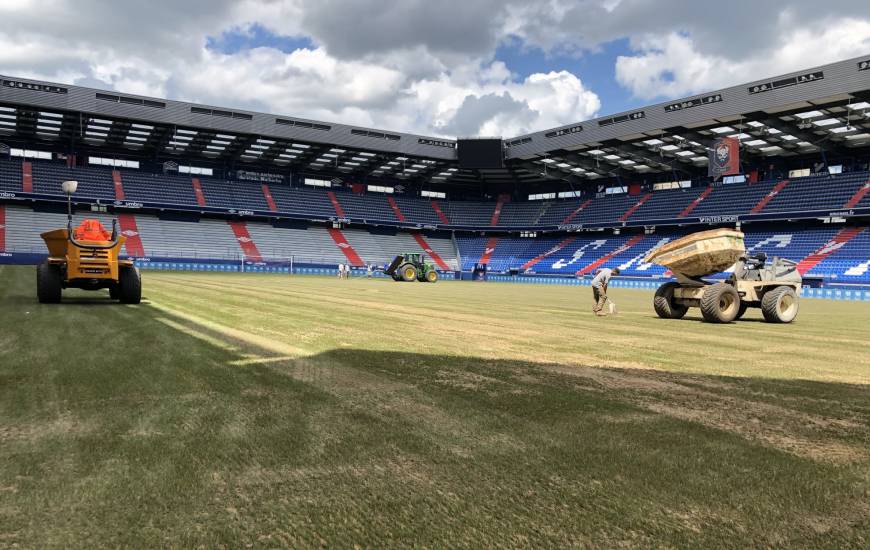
277, 191
212, 239
817, 193
846, 262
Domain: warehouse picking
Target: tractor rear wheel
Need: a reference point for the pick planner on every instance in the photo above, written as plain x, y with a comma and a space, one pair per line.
720, 303
664, 304
408, 273
431, 276
49, 283
129, 286
779, 305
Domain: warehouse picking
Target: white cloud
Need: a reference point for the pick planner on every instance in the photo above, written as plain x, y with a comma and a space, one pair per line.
414, 67
672, 66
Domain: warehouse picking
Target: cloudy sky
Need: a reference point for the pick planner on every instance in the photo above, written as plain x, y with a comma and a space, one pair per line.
441, 67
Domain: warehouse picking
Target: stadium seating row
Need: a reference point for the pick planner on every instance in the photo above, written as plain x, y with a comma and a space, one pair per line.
811, 193
211, 239
835, 253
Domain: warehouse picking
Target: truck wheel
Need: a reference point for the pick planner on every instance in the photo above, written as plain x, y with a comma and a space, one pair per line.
720, 303
49, 283
431, 276
779, 305
408, 272
129, 286
663, 302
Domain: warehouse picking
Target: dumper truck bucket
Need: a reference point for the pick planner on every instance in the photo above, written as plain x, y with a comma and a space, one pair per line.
59, 240
394, 265
700, 254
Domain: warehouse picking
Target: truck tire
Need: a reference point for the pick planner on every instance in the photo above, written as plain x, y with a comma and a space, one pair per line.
408, 273
663, 302
780, 305
431, 276
49, 283
129, 286
720, 303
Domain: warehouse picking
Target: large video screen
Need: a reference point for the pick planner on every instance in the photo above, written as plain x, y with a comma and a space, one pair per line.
480, 154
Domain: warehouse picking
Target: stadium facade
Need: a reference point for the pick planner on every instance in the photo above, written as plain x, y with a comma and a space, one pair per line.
256, 187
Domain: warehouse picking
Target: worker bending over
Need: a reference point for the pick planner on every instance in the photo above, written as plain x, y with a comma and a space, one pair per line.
599, 289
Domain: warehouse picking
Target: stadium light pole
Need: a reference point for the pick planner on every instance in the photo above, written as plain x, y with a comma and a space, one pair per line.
69, 187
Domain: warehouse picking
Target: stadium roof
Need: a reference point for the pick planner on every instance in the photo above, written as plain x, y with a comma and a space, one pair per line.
823, 109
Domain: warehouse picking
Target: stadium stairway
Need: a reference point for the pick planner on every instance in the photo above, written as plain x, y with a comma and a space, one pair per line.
769, 197
562, 244
246, 243
496, 212
488, 250
441, 216
26, 177
855, 199
614, 254
333, 198
197, 191
439, 261
346, 248
396, 210
634, 207
837, 242
267, 194
694, 204
130, 229
119, 185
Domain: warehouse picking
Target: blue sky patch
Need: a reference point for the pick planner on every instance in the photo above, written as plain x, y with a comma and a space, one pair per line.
255, 36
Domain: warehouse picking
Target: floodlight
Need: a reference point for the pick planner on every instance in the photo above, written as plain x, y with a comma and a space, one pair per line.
69, 187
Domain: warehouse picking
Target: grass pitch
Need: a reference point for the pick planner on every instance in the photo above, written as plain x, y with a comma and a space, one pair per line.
235, 410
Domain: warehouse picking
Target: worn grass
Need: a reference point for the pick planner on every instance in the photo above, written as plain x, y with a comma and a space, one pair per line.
234, 410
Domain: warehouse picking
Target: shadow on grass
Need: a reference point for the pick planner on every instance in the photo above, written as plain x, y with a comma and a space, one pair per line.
180, 434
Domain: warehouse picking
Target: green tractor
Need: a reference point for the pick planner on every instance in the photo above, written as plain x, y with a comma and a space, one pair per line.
411, 267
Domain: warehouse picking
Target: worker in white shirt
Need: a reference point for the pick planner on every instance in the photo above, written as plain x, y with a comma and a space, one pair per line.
341, 271
599, 289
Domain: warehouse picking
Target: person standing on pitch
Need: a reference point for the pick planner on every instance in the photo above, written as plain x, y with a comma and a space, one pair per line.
599, 289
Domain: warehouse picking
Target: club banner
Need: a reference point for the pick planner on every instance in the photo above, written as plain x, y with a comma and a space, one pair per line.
724, 158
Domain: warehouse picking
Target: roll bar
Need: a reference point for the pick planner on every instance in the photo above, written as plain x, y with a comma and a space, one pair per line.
113, 243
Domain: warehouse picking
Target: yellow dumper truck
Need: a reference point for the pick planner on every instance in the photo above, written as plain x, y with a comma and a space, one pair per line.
86, 257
